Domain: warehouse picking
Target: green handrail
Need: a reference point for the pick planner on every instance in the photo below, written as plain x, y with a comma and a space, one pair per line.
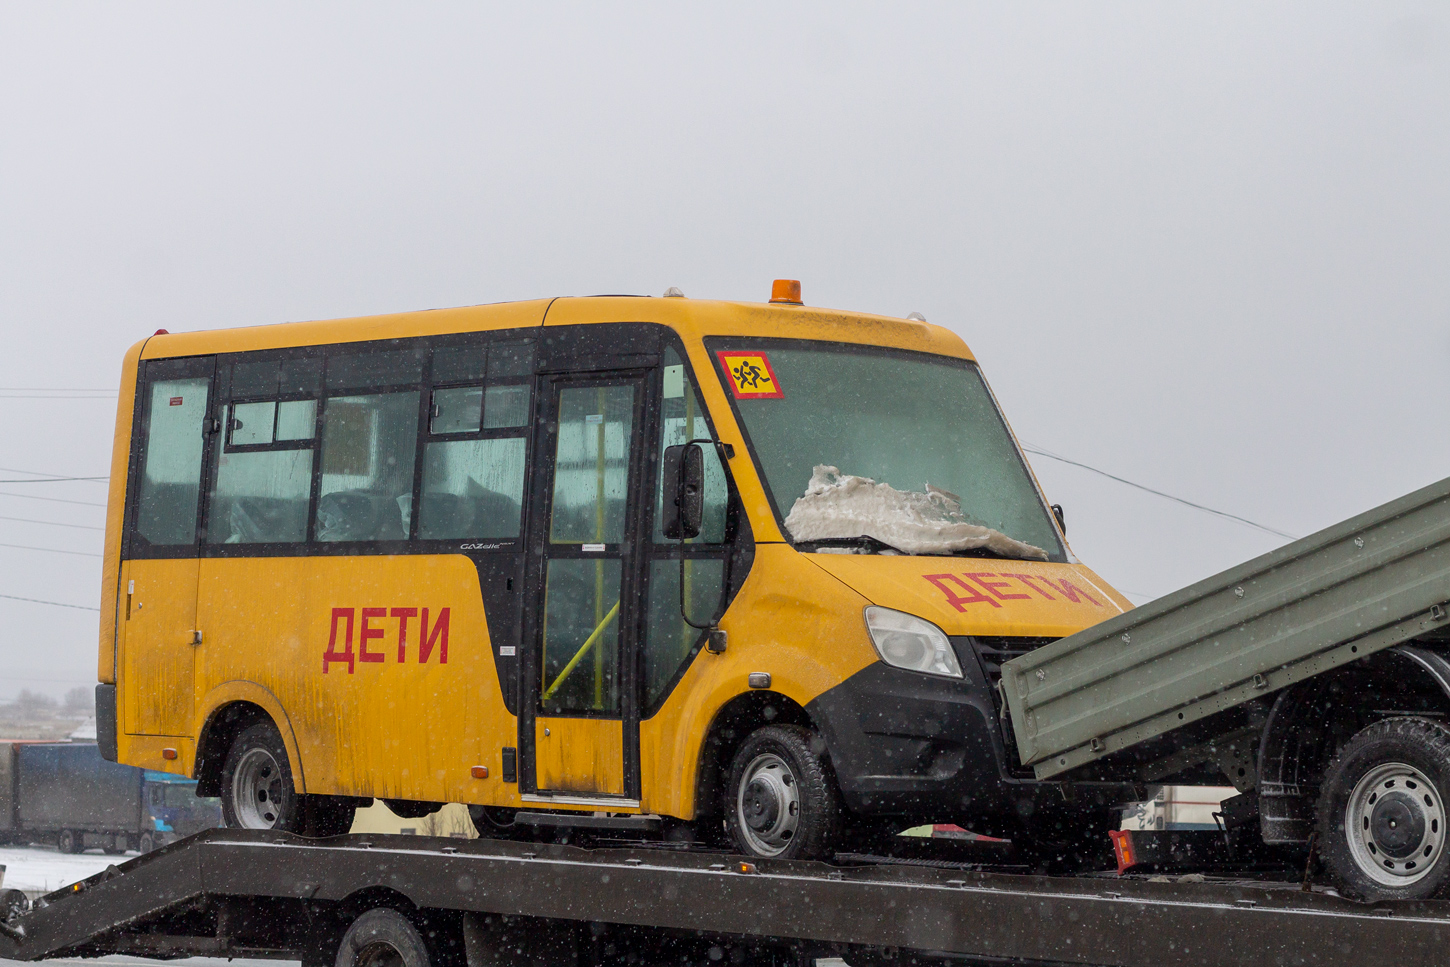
583, 650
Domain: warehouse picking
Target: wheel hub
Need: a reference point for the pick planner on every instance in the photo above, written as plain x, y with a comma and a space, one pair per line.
1395, 824
257, 790
768, 805
762, 808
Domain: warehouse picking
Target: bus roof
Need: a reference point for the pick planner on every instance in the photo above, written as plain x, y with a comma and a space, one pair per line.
691, 318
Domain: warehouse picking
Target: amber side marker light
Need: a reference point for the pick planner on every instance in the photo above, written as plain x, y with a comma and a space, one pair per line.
168, 753
479, 772
786, 292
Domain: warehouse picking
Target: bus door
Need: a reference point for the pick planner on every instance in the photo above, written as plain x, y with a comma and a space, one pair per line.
157, 604
579, 721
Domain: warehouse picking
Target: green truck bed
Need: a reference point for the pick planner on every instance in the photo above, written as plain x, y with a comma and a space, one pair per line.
1360, 586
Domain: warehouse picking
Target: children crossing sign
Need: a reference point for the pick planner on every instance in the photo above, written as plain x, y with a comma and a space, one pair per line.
751, 377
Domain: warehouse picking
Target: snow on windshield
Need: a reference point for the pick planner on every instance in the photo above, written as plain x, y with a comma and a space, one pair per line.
838, 505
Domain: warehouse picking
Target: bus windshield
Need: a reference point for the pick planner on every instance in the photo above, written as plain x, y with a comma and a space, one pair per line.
891, 446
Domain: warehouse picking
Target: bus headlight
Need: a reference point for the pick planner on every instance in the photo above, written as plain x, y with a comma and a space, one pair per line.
907, 641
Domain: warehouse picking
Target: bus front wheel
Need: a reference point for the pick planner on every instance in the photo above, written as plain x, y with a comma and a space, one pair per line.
781, 800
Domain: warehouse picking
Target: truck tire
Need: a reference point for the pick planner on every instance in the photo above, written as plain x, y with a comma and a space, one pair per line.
781, 799
146, 844
1381, 817
382, 938
69, 841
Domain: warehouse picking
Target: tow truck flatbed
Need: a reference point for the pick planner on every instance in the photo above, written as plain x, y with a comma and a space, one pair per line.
273, 895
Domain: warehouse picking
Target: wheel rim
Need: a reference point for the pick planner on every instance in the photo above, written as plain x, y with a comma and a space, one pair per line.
257, 790
768, 805
379, 954
1395, 823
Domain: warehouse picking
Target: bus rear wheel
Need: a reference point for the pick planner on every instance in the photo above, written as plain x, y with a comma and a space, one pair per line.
781, 800
257, 788
258, 791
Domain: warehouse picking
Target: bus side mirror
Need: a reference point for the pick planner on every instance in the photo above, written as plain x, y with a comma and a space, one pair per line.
1061, 520
684, 491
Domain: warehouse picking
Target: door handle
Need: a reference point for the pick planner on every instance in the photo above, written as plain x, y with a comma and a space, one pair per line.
196, 637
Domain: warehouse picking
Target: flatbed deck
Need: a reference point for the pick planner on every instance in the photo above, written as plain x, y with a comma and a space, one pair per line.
272, 895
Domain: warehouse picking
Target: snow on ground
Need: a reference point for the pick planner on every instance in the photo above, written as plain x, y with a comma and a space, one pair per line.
38, 870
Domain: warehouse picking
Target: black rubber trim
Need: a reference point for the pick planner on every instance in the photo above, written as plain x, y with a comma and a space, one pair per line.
106, 721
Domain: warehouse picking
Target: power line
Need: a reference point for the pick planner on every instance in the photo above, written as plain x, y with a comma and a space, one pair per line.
53, 550
51, 479
53, 523
53, 500
56, 604
1188, 503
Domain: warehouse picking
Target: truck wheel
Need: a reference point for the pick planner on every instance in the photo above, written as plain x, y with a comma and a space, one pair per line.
1381, 815
146, 844
781, 800
257, 790
382, 938
69, 841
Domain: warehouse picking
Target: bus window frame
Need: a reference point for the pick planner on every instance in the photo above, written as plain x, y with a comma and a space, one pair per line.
220, 409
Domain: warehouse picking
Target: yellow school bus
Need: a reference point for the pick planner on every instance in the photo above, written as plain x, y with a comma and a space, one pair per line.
736, 569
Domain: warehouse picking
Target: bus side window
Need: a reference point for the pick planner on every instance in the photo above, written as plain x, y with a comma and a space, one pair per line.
476, 450
669, 639
171, 462
264, 454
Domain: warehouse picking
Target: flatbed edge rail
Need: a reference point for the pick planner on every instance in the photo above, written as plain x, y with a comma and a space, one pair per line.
873, 913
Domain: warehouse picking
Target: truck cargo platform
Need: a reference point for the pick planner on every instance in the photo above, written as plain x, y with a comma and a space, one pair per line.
273, 895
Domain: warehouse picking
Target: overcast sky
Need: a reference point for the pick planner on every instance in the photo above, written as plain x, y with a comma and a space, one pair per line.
1203, 247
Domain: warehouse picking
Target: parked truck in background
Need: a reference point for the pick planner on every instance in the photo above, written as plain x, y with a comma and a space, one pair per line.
65, 793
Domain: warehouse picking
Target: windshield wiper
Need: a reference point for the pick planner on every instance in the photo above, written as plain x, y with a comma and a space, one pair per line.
867, 544
864, 542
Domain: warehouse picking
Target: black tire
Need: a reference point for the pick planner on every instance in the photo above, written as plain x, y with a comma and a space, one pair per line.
1382, 813
146, 843
781, 800
257, 788
257, 791
69, 841
382, 938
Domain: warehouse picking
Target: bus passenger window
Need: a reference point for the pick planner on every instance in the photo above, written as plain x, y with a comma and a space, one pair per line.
260, 497
472, 488
456, 410
264, 457
368, 448
171, 466
505, 406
